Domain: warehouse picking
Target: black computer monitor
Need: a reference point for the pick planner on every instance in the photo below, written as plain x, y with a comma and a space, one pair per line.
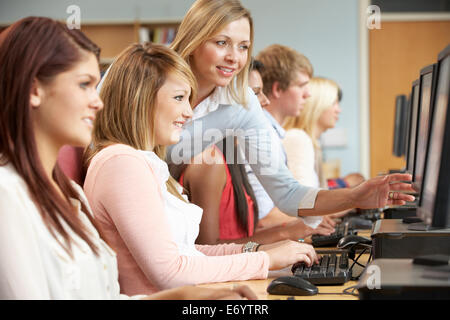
412, 130
434, 207
401, 113
423, 125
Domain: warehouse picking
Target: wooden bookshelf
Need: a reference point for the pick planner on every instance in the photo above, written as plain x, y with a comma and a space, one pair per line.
112, 38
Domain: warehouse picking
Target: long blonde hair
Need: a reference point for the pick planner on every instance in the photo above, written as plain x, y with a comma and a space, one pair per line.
129, 94
202, 22
324, 93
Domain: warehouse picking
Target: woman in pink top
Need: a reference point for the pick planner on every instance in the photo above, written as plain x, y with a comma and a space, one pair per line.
139, 207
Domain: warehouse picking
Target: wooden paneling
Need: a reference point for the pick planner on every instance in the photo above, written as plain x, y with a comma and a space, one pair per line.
397, 52
111, 38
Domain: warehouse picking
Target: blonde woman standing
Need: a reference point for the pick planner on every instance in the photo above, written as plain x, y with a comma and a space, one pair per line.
216, 39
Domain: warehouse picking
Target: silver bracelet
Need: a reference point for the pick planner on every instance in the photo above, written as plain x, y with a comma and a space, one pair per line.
250, 247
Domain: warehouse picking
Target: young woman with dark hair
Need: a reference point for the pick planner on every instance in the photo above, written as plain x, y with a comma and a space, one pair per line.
50, 246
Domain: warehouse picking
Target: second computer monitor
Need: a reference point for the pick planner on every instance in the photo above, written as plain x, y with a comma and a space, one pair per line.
412, 130
401, 114
426, 85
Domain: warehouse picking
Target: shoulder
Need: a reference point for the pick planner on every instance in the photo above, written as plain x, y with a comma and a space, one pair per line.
15, 200
117, 153
297, 141
297, 133
208, 168
117, 164
116, 150
9, 178
249, 96
297, 136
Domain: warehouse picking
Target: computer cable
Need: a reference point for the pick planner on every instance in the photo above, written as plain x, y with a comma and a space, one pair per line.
355, 261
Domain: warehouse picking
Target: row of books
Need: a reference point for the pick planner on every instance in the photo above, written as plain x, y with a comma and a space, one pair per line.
163, 35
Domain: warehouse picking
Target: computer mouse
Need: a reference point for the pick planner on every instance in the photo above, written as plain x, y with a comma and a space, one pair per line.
352, 240
292, 286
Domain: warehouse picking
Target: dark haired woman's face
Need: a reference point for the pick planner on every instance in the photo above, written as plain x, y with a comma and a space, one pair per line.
255, 82
64, 109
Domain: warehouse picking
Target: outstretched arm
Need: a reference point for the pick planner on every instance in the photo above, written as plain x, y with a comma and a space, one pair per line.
374, 193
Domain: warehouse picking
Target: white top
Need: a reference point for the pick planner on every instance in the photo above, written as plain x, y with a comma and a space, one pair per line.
301, 162
184, 218
33, 265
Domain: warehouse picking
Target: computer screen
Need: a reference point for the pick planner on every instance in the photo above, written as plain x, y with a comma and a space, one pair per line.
426, 83
401, 113
434, 208
412, 132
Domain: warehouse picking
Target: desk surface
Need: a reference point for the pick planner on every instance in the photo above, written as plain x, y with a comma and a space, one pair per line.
259, 288
325, 292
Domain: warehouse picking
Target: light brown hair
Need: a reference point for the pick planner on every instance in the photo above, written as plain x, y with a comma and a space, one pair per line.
281, 65
129, 94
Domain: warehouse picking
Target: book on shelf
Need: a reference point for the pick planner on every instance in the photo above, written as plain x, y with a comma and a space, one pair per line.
161, 35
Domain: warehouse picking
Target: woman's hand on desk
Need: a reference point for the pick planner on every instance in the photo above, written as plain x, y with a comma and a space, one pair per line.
288, 252
381, 191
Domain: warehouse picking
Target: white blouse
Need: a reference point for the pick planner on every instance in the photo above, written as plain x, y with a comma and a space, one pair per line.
184, 218
33, 265
301, 162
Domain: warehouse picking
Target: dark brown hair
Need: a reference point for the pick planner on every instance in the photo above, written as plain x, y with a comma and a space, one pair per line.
241, 185
39, 48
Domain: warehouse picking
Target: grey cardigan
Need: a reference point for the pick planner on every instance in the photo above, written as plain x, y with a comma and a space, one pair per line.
218, 116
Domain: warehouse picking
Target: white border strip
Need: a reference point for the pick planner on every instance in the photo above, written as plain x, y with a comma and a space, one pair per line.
364, 108
414, 16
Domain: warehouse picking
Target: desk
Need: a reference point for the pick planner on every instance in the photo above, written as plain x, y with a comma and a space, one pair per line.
259, 288
325, 292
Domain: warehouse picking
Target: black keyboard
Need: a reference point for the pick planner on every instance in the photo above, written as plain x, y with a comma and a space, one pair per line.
332, 240
333, 269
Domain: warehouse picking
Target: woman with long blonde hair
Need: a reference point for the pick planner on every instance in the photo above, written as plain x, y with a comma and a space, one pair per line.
302, 141
216, 40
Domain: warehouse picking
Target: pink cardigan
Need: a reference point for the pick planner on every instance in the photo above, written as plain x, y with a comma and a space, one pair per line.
123, 192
